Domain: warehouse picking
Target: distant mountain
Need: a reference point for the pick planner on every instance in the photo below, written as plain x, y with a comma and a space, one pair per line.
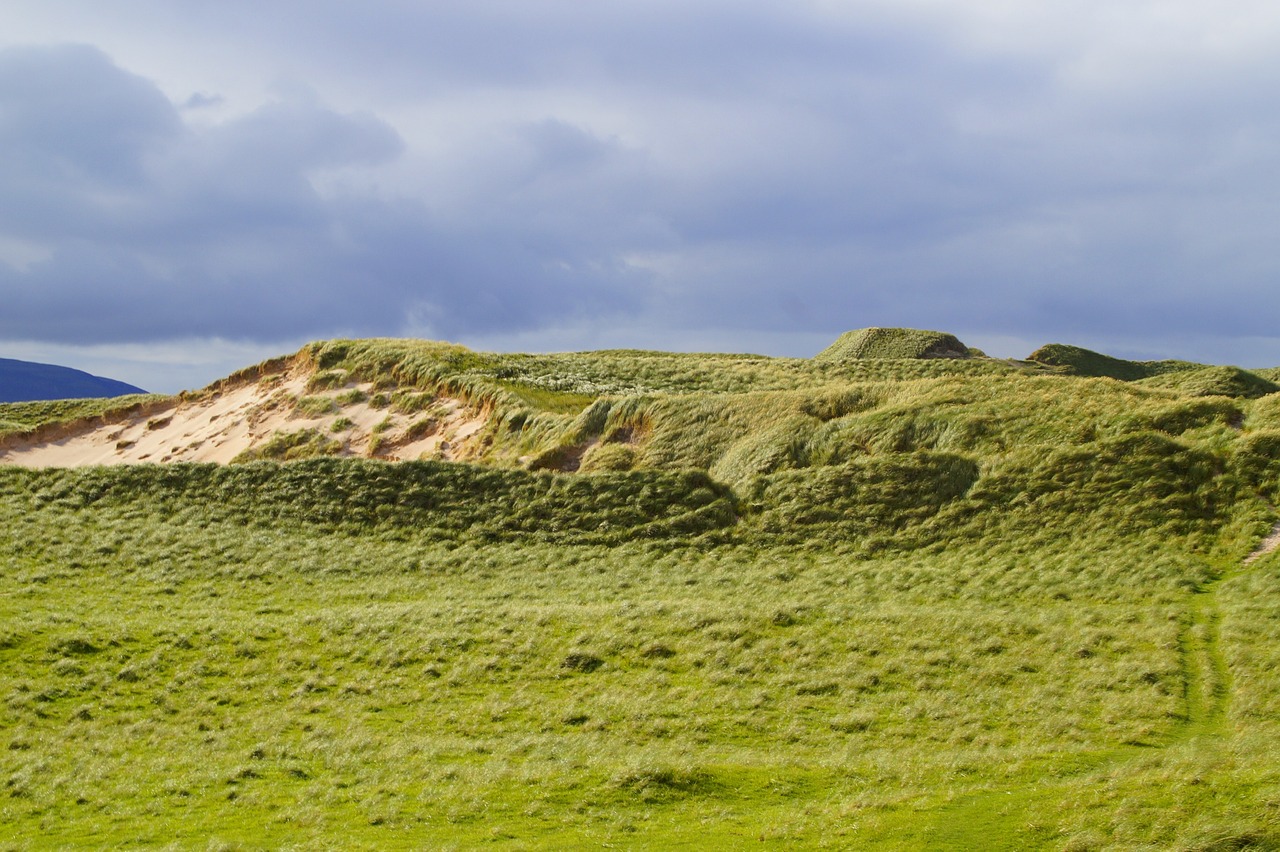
25, 381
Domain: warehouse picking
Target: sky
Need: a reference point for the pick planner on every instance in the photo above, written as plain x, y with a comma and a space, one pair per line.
187, 187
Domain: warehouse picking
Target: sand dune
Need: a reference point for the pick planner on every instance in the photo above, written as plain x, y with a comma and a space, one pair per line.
221, 423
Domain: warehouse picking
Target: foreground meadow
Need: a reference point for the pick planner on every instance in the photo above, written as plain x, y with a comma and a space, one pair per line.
195, 677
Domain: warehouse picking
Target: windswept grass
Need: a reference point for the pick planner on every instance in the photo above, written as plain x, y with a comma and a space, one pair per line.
287, 683
291, 446
20, 417
443, 499
568, 379
877, 603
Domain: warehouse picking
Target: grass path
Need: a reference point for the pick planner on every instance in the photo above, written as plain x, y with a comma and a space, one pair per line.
1020, 816
1206, 679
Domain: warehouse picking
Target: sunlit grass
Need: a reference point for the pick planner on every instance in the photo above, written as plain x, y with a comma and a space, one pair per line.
431, 689
869, 603
273, 682
24, 416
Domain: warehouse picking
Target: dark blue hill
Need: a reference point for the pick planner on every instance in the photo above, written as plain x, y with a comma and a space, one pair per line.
25, 381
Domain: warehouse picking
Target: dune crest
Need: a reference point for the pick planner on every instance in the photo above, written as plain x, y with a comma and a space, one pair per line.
278, 414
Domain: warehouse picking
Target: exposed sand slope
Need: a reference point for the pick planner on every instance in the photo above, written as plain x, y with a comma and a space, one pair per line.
1270, 544
222, 423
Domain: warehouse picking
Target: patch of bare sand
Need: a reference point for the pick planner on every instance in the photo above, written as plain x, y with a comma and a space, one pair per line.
1268, 545
220, 424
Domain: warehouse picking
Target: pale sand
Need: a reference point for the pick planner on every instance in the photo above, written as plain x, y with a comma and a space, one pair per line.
219, 424
1269, 545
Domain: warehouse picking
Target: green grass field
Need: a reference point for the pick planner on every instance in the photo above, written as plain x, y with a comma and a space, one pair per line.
873, 603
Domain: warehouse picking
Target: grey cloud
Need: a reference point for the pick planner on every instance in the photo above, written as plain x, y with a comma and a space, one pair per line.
69, 113
717, 166
723, 48
201, 100
221, 231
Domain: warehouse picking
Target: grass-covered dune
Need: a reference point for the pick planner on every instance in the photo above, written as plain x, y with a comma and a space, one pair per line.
662, 601
896, 343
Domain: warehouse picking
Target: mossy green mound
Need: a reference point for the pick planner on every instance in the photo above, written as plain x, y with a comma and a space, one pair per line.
1185, 377
893, 343
1078, 361
1214, 381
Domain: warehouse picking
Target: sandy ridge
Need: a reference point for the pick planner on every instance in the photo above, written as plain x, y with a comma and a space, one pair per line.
245, 413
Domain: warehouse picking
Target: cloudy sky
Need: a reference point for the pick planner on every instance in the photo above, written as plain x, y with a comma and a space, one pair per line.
189, 187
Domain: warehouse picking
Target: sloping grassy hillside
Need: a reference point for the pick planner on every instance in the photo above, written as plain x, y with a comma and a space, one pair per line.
22, 416
885, 603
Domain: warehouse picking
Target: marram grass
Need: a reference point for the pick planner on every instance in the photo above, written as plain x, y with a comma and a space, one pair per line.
952, 604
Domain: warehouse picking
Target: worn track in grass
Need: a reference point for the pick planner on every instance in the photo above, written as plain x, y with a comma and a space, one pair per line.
1020, 816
